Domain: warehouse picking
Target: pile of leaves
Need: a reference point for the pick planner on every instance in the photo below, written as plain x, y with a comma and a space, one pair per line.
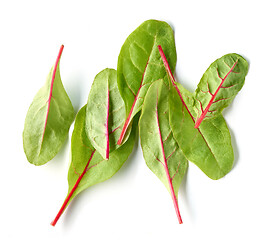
175, 125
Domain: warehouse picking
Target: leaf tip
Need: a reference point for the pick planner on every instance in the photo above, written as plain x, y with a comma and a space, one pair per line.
60, 51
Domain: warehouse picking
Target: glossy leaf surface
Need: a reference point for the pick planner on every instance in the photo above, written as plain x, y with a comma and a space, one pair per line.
48, 119
105, 113
219, 85
87, 166
160, 149
139, 64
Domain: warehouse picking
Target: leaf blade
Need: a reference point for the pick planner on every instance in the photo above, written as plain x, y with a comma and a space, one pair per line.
105, 113
219, 85
48, 119
163, 156
209, 147
139, 65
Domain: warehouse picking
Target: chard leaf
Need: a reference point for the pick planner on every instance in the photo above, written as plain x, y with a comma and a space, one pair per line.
48, 119
139, 64
87, 166
160, 149
208, 146
105, 113
219, 85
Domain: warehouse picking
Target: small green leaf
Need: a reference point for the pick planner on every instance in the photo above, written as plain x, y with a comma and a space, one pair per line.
160, 149
139, 64
105, 113
48, 119
219, 85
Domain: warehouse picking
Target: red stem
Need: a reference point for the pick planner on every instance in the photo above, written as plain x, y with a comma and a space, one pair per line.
71, 192
168, 69
123, 132
198, 122
51, 88
107, 126
175, 203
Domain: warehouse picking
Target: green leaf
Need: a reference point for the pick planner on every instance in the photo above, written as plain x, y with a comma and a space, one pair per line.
139, 64
87, 166
105, 113
209, 146
160, 149
219, 85
48, 119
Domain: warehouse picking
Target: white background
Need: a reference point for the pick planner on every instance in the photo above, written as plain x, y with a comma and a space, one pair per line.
134, 203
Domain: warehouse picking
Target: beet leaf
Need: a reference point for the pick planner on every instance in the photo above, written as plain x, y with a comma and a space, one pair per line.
209, 147
219, 85
139, 64
105, 113
160, 149
48, 119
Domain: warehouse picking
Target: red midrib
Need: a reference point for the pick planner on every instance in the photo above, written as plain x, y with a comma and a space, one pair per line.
175, 203
166, 64
123, 132
200, 119
51, 88
72, 191
107, 125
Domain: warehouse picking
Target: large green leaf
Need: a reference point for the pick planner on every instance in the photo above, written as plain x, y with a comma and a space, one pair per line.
160, 149
105, 113
48, 119
87, 166
219, 85
139, 64
209, 146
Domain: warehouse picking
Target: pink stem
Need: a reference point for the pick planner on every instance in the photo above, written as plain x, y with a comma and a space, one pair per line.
71, 192
107, 126
123, 132
198, 122
168, 69
175, 203
51, 88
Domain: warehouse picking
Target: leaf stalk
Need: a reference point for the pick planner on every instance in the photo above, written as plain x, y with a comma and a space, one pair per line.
62, 209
